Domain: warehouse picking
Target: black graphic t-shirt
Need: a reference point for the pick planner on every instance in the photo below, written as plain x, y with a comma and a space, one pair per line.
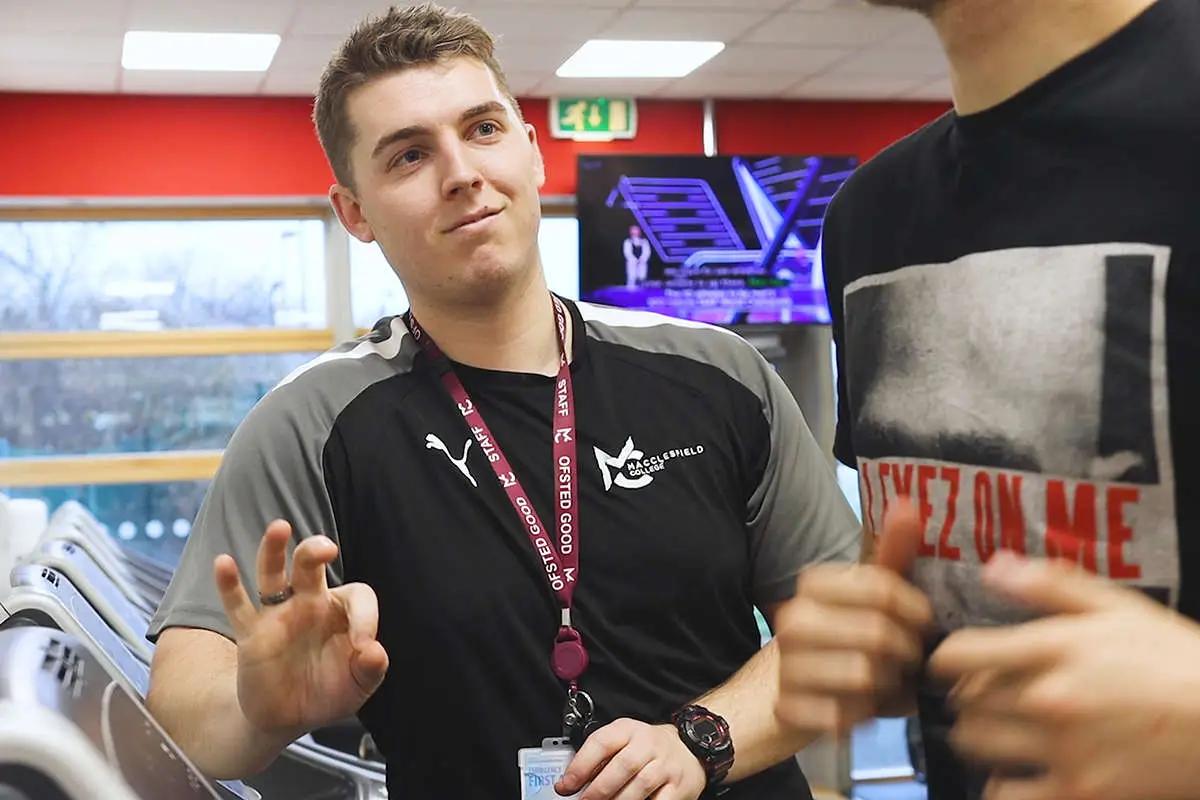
1016, 304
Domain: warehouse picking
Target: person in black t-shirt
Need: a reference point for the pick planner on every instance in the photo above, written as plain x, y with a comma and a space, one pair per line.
1014, 290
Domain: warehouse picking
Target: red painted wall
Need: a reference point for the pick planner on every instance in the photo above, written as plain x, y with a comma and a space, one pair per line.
135, 146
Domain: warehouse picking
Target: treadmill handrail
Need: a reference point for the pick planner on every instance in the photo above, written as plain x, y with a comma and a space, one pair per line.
135, 640
28, 732
35, 598
48, 544
345, 763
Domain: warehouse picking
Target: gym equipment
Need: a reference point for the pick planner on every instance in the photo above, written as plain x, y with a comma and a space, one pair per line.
69, 731
99, 589
43, 596
73, 523
60, 585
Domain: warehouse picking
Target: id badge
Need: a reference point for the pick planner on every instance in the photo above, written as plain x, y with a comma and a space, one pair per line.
541, 768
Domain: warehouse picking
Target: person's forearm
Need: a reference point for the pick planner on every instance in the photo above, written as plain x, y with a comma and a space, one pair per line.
200, 711
747, 702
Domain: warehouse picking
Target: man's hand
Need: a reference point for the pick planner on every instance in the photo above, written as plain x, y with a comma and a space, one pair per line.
311, 659
630, 760
1101, 698
852, 635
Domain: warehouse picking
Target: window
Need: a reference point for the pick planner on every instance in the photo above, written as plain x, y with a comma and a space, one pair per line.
376, 291
149, 275
134, 342
153, 518
128, 405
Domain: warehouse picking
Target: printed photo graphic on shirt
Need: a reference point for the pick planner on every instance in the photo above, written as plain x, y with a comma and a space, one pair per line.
1019, 398
433, 442
630, 468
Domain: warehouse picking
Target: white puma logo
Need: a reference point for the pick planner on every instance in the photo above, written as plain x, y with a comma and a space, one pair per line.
434, 443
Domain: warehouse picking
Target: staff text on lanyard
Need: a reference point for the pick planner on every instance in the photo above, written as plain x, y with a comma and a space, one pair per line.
558, 549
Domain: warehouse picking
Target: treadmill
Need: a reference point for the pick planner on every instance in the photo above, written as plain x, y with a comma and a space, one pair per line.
75, 523
72, 521
62, 586
68, 731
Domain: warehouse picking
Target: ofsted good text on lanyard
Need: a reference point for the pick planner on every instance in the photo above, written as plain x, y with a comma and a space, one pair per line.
557, 549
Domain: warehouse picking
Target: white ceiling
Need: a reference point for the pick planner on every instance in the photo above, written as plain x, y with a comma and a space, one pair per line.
827, 49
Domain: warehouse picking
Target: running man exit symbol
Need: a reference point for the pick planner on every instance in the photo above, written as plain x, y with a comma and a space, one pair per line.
593, 118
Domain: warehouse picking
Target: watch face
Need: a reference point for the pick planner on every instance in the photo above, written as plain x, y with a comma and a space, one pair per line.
706, 731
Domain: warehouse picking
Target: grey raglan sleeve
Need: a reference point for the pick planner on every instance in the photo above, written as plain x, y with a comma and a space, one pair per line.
797, 514
272, 469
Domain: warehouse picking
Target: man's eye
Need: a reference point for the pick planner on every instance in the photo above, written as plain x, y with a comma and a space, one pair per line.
487, 128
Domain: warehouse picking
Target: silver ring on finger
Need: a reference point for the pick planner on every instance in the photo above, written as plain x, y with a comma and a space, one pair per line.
277, 598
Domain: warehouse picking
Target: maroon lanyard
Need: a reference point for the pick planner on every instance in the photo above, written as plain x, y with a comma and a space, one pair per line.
569, 658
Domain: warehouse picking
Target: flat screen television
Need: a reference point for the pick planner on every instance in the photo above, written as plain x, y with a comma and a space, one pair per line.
729, 240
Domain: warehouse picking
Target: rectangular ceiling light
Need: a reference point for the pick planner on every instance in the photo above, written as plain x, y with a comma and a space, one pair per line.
613, 58
200, 52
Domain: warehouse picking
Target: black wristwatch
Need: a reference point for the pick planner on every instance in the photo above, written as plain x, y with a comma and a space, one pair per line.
706, 735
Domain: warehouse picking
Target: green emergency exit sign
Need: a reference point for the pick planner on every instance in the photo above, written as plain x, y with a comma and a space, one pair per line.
594, 118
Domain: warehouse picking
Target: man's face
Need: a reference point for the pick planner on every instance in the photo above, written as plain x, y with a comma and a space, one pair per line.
447, 181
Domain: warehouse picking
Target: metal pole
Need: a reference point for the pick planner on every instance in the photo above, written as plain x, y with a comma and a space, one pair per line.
710, 128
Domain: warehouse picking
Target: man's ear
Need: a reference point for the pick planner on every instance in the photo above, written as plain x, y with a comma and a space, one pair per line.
349, 213
539, 162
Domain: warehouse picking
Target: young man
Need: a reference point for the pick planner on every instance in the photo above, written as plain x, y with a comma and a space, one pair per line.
1014, 291
514, 516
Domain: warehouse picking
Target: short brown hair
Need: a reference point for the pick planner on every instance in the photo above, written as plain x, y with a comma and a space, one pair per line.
381, 45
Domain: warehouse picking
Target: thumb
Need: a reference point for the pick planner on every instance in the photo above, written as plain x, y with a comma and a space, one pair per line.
369, 659
369, 666
901, 538
1055, 587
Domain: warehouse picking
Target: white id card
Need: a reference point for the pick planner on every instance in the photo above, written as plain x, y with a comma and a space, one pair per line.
541, 767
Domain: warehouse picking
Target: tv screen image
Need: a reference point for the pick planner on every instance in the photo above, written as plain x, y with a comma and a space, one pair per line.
729, 240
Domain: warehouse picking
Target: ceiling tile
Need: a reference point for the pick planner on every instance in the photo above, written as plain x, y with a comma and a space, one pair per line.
544, 57
814, 5
744, 59
825, 48
899, 61
472, 6
763, 5
211, 16
721, 86
598, 87
290, 83
936, 90
531, 22
186, 83
305, 52
22, 17
335, 18
18, 77
914, 31
827, 29
710, 25
854, 87
62, 49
